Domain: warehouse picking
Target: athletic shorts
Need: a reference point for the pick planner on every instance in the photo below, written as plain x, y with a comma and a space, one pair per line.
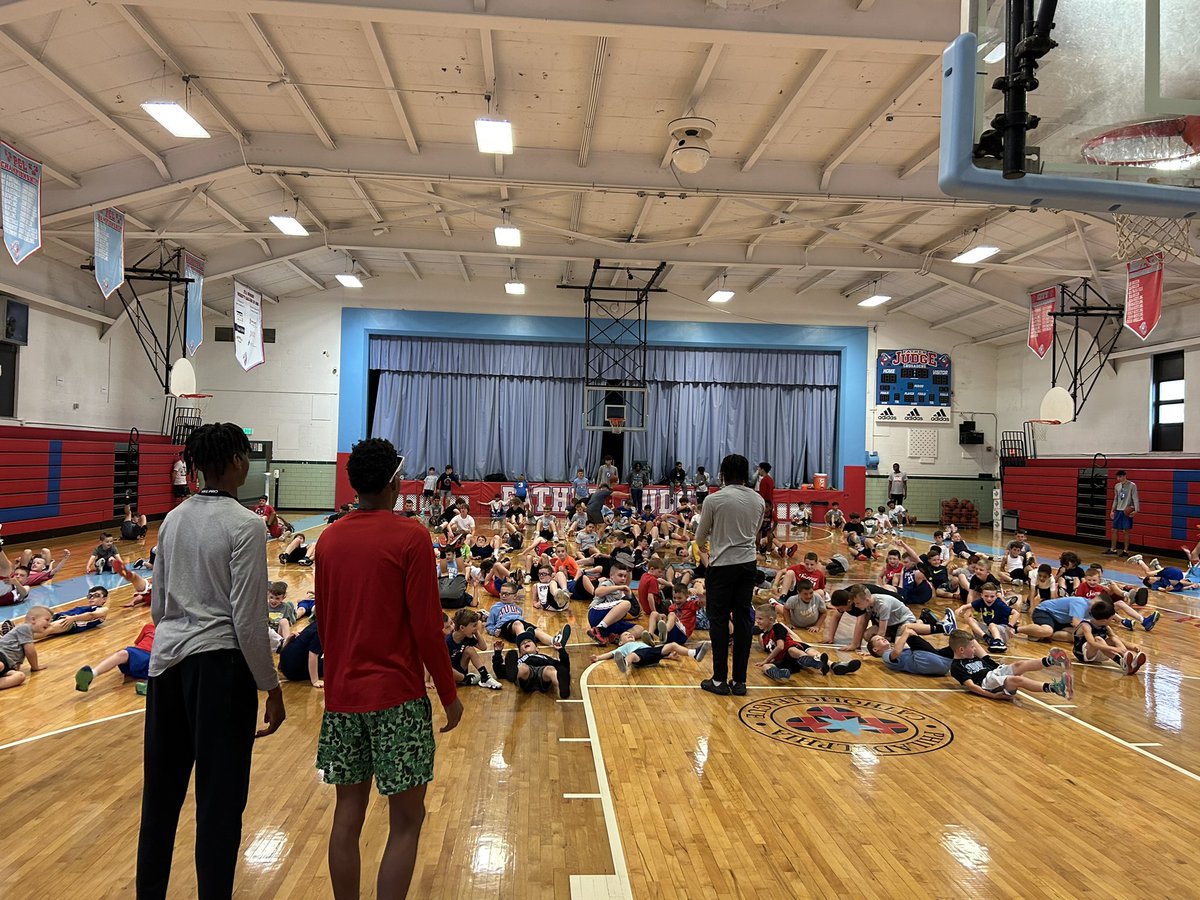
426, 493
596, 616
395, 746
535, 683
1042, 617
306, 605
994, 680
180, 490
1121, 521
131, 531
514, 628
677, 635
546, 536
648, 656
138, 665
77, 627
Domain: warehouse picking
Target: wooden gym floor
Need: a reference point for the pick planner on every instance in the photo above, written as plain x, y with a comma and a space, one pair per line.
644, 786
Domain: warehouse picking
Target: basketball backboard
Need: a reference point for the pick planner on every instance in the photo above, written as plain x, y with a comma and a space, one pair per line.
1118, 100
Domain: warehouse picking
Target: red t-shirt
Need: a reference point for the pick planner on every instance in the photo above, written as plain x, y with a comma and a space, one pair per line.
378, 612
145, 638
1088, 590
36, 578
816, 576
685, 612
649, 588
766, 489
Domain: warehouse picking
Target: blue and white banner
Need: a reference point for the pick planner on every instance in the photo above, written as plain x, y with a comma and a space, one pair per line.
247, 327
193, 268
21, 189
109, 228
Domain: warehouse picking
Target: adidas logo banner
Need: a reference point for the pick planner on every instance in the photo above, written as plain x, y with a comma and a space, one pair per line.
886, 417
913, 415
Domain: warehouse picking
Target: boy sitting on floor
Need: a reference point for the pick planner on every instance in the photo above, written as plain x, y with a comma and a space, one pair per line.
532, 671
640, 654
39, 568
80, 618
133, 661
507, 620
787, 654
982, 675
1095, 642
997, 618
16, 646
303, 658
104, 558
463, 645
911, 654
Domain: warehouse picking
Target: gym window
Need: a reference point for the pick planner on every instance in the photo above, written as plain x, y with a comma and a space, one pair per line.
1167, 403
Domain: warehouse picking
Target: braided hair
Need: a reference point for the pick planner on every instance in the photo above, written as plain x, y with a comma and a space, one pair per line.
211, 449
371, 465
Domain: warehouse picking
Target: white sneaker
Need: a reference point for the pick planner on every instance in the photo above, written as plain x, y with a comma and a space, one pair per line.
1155, 564
1135, 559
491, 683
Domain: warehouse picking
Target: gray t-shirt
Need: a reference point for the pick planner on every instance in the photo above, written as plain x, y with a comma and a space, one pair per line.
889, 611
730, 521
209, 577
804, 615
606, 474
1125, 496
12, 645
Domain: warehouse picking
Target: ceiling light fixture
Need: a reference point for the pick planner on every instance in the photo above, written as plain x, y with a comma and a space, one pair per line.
996, 53
493, 134
348, 280
514, 285
689, 148
288, 223
875, 300
507, 235
976, 254
721, 294
173, 117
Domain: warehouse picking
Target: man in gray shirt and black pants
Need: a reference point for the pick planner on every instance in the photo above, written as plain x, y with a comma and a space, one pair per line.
729, 521
211, 657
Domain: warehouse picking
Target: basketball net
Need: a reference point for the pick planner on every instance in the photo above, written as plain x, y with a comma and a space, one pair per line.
616, 426
1141, 236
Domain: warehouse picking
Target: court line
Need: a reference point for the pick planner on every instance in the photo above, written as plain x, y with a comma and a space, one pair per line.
586, 740
1136, 748
623, 890
38, 737
581, 797
782, 687
1145, 744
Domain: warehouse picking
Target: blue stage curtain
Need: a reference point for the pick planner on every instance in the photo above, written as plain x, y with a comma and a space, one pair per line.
483, 406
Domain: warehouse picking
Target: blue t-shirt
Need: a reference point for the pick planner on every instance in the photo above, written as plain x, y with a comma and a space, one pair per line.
521, 489
1065, 608
581, 487
916, 662
1168, 577
998, 613
912, 592
293, 658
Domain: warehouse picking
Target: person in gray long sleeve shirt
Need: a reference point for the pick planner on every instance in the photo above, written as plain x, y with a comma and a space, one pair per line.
211, 657
730, 521
1124, 507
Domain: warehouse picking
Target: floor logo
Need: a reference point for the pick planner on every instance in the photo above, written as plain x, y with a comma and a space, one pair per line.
838, 724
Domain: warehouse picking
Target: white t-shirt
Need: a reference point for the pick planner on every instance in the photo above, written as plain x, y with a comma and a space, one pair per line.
898, 512
429, 483
463, 524
179, 472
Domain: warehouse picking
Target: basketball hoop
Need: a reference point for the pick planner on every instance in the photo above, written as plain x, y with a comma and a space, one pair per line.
193, 401
1142, 236
616, 425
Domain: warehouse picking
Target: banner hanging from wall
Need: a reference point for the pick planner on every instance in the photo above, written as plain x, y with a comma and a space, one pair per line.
193, 268
1041, 323
1143, 294
109, 258
21, 195
247, 327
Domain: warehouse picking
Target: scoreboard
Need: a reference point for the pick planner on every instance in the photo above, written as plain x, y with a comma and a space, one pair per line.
912, 378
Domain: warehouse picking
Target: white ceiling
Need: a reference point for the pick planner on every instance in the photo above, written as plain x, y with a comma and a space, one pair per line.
823, 176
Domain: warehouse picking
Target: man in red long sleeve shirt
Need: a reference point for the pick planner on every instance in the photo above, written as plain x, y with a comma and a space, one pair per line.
381, 626
766, 490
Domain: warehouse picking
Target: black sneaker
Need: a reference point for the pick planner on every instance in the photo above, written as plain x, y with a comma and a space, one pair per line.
845, 668
930, 619
564, 676
737, 688
824, 663
510, 666
1140, 596
721, 689
1111, 553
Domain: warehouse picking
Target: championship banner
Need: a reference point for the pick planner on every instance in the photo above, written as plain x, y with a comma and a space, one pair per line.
247, 327
1041, 325
193, 268
1143, 294
109, 259
21, 190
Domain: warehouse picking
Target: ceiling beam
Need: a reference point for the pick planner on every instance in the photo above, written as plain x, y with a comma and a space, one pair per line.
408, 264
438, 211
177, 210
361, 193
916, 78
780, 117
775, 220
34, 61
643, 214
921, 159
1097, 283
712, 53
196, 86
232, 218
952, 319
490, 87
1041, 245
592, 103
1001, 337
389, 81
1021, 306
708, 219
462, 268
863, 5
898, 227
720, 275
956, 231
917, 298
809, 283
763, 280
300, 202
295, 267
275, 62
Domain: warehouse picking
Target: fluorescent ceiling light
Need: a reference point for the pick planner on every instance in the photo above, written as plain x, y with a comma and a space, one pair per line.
720, 296
493, 135
173, 117
996, 53
976, 254
351, 281
508, 236
514, 287
289, 225
875, 300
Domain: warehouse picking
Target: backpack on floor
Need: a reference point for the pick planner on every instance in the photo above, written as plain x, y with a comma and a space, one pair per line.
837, 565
452, 589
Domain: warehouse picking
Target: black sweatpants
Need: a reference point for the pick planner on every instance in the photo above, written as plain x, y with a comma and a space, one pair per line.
200, 712
730, 591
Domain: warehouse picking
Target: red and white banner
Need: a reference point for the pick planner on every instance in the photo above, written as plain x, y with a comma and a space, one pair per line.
1143, 294
1041, 324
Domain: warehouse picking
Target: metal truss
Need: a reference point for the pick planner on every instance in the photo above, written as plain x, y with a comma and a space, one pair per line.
1079, 354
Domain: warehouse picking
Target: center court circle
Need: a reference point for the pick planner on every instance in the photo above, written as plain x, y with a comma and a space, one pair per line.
838, 724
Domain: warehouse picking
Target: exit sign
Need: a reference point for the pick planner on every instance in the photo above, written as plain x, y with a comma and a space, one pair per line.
248, 431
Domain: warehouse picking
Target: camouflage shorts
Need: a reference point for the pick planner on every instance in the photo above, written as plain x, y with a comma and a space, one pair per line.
394, 745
